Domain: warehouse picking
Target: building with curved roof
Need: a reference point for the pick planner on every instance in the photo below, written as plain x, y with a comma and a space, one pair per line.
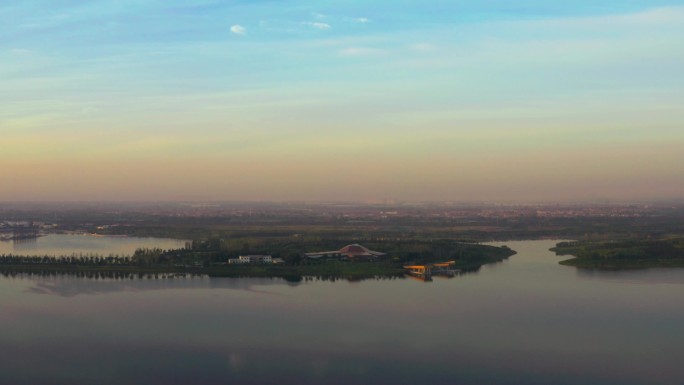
349, 252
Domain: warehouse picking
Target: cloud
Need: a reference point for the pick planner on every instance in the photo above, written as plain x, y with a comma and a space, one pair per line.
361, 20
238, 29
319, 15
318, 25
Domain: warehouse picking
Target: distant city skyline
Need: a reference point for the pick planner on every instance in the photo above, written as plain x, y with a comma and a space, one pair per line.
527, 101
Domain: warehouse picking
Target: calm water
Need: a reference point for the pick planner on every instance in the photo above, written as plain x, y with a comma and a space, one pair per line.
63, 244
527, 320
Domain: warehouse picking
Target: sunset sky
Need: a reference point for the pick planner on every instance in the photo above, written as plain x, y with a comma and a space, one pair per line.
505, 101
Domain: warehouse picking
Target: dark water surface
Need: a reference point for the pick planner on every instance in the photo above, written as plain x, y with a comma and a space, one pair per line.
527, 320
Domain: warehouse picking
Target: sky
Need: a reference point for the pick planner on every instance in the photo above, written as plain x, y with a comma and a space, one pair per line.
466, 101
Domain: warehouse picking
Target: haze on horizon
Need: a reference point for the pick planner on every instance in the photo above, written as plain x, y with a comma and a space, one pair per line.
297, 100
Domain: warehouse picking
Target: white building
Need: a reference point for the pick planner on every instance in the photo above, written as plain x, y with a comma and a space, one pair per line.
244, 259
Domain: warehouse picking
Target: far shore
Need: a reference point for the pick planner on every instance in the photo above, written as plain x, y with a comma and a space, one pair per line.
623, 254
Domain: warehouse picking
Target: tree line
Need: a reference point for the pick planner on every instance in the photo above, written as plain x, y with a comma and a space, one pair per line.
141, 257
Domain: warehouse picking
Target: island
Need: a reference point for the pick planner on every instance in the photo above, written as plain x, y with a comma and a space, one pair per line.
216, 257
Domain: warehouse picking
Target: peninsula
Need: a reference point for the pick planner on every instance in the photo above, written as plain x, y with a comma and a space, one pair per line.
623, 254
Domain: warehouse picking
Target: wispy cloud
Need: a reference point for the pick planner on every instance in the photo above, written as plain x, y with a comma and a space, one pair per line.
238, 29
317, 25
661, 17
422, 47
361, 20
20, 51
361, 51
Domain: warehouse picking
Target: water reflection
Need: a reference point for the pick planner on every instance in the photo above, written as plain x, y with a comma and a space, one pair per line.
93, 275
672, 275
95, 282
72, 283
24, 244
69, 284
526, 321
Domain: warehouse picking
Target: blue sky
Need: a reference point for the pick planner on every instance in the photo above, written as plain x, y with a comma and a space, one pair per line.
280, 100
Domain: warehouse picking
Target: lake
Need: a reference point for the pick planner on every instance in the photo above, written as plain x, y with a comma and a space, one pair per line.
526, 320
68, 244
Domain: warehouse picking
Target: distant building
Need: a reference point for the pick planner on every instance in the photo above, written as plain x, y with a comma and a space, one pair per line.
352, 252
